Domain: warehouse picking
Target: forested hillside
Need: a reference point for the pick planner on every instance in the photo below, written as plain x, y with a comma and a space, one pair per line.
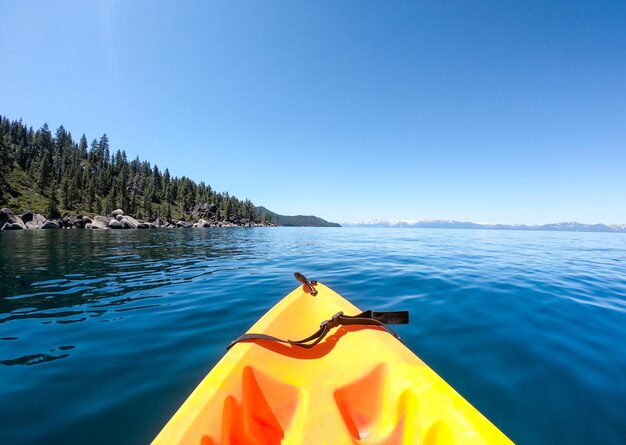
53, 173
295, 221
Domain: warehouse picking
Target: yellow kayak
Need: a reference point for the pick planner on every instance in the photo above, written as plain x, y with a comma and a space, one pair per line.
356, 385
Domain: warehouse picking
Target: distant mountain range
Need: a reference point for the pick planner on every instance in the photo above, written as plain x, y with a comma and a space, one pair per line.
298, 220
443, 224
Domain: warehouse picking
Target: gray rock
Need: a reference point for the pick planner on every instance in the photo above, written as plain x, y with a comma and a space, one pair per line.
33, 217
115, 224
88, 226
202, 224
204, 210
7, 216
128, 222
87, 220
143, 225
100, 222
51, 225
20, 223
27, 216
31, 225
119, 217
9, 226
116, 212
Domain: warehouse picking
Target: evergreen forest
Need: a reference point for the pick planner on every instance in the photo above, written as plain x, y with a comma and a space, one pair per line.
54, 174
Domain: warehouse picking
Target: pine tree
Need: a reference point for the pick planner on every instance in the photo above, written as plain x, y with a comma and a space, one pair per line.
53, 202
65, 193
147, 201
123, 189
6, 162
113, 196
227, 210
44, 147
91, 195
74, 191
103, 149
82, 147
94, 156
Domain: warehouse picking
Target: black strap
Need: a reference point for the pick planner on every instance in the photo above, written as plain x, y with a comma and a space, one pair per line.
367, 318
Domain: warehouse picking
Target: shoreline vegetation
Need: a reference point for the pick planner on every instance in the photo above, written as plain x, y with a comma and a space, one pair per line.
66, 180
56, 175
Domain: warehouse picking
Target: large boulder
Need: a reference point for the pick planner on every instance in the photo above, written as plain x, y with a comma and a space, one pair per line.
27, 216
10, 226
100, 222
128, 222
115, 224
51, 225
68, 222
116, 212
7, 216
202, 224
30, 225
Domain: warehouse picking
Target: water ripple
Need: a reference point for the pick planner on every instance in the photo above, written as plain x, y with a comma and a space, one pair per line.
518, 322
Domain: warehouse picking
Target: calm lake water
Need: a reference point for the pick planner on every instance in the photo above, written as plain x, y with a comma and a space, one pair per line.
103, 334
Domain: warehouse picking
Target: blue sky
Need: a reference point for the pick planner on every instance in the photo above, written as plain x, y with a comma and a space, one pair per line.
503, 112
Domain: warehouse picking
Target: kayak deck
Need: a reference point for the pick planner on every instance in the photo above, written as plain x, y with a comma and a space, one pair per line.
358, 386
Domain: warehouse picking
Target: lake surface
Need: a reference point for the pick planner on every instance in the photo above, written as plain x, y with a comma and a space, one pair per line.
103, 334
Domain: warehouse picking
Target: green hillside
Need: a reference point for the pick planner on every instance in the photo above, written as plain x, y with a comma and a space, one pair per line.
298, 220
54, 174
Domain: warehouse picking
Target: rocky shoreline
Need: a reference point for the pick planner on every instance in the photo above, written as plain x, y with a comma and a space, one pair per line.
117, 220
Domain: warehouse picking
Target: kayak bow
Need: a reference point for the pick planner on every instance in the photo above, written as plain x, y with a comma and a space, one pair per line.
359, 385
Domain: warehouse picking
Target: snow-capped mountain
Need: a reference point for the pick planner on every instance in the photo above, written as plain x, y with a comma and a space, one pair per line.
451, 224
